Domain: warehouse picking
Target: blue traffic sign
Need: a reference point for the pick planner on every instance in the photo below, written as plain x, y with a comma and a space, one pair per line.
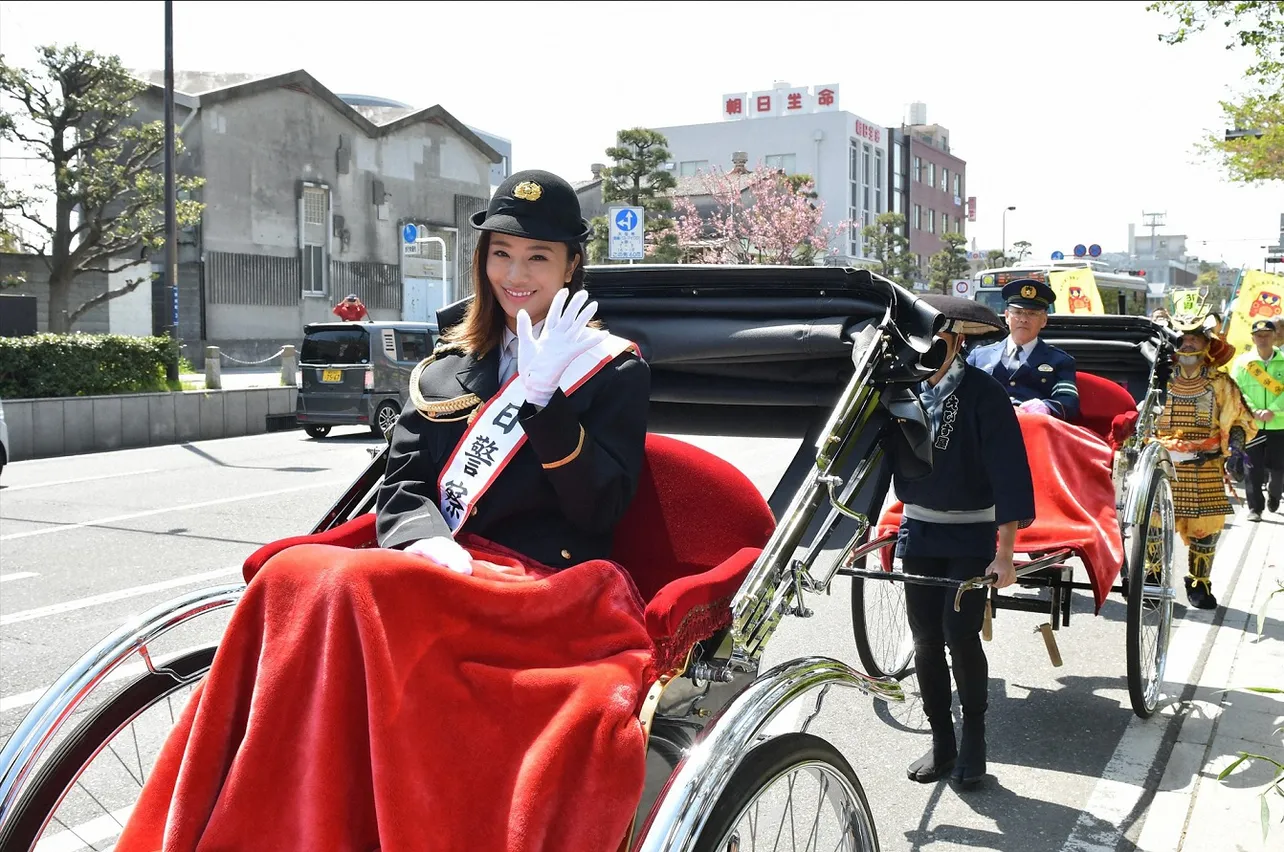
626, 220
1094, 250
1056, 255
410, 232
1080, 250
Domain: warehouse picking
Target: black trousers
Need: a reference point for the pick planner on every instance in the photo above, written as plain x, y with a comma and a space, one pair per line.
1266, 457
934, 625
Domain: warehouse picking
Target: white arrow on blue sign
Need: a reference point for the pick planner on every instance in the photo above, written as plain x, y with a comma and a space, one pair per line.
410, 232
628, 234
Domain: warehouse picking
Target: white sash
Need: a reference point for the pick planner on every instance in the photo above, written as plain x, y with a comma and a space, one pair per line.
491, 441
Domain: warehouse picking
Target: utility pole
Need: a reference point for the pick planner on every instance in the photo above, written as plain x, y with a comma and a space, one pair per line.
171, 216
1154, 223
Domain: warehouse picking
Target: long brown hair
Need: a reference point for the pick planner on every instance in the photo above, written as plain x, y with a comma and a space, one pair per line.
482, 328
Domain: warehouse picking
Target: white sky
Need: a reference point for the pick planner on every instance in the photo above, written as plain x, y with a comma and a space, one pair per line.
1073, 112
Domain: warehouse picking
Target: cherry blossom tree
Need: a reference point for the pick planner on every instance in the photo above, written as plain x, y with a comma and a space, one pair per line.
764, 216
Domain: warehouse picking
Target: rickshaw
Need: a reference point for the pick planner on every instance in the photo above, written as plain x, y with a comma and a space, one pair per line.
1124, 364
828, 355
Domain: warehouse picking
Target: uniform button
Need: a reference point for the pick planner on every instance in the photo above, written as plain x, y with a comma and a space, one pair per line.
566, 554
1013, 384
472, 511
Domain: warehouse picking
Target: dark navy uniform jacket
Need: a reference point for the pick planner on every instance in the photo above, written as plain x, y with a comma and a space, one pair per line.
978, 461
558, 517
1047, 373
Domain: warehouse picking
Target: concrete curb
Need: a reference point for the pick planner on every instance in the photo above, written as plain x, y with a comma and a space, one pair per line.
63, 426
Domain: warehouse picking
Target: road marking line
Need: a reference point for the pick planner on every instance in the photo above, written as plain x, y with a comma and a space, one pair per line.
21, 575
128, 670
93, 831
150, 512
75, 481
1123, 781
111, 597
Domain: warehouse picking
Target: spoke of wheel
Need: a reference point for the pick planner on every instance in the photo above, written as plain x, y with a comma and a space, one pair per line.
76, 834
142, 773
820, 800
789, 804
128, 769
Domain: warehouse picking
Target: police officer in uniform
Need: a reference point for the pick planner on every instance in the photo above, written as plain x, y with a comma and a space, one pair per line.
559, 496
960, 522
1038, 377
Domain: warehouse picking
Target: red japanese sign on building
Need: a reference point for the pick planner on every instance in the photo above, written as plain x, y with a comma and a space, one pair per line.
782, 101
869, 131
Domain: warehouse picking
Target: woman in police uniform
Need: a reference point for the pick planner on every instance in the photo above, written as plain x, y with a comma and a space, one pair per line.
960, 522
558, 496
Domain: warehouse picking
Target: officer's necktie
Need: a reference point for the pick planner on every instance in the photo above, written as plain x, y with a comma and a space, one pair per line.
1014, 361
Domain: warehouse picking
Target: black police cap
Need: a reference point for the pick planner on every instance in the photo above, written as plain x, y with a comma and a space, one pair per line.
1264, 325
1029, 293
537, 205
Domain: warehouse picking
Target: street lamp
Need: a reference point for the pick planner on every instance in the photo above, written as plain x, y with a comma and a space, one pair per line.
1005, 234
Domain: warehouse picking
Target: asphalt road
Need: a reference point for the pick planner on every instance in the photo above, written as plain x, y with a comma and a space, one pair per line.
87, 542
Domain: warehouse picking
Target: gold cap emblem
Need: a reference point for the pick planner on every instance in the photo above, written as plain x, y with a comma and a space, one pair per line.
528, 190
1028, 292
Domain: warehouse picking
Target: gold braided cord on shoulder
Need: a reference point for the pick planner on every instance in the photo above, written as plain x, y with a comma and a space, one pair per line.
437, 408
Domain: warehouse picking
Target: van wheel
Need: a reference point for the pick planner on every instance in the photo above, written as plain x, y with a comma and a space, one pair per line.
385, 418
317, 431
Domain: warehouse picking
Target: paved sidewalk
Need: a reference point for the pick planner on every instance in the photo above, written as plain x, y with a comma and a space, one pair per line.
240, 379
1193, 810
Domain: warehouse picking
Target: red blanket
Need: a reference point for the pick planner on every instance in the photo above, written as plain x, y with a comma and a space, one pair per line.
1074, 500
368, 699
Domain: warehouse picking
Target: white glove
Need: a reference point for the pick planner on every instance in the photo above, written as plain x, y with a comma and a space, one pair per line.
1036, 406
565, 337
446, 552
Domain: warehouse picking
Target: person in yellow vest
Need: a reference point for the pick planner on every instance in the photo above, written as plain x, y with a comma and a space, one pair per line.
1205, 421
1259, 372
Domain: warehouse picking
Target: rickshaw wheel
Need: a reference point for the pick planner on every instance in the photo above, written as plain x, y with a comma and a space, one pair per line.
71, 784
880, 625
795, 788
1151, 591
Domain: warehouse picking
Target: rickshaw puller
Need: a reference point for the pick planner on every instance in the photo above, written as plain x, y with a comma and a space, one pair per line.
1205, 421
960, 522
1038, 377
1259, 373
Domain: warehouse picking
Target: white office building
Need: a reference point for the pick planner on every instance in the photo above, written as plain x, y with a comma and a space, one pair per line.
802, 131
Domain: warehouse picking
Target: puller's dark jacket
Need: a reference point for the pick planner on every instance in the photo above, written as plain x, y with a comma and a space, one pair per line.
560, 516
978, 461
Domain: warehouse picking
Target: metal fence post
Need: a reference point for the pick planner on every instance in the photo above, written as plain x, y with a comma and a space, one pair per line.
213, 368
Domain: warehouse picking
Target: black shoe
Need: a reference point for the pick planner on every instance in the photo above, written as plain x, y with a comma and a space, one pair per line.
929, 768
1199, 593
934, 765
1254, 516
969, 769
1273, 506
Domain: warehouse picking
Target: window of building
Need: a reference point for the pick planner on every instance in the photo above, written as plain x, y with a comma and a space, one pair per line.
689, 168
314, 214
878, 180
931, 221
918, 169
931, 175
788, 163
918, 217
958, 186
945, 180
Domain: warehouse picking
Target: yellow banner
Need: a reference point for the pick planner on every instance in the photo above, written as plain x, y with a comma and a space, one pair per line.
1185, 302
1076, 291
1261, 296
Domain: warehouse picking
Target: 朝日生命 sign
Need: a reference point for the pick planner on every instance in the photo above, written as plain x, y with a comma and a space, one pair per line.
795, 100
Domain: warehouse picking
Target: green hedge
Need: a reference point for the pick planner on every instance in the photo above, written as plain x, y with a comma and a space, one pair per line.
47, 365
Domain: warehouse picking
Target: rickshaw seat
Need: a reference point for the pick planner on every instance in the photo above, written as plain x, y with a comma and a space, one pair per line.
1101, 401
691, 534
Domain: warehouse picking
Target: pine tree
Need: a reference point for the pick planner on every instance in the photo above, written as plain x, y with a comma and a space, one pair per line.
638, 178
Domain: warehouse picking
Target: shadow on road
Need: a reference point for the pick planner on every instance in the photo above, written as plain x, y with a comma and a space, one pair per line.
197, 451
